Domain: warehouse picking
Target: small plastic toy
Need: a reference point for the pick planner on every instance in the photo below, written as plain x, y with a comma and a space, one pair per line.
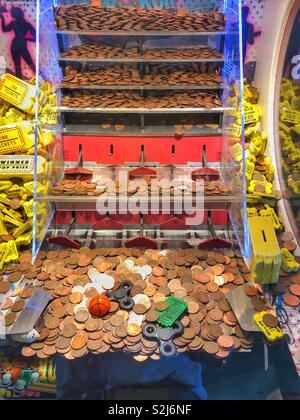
121, 295
176, 308
99, 306
164, 337
272, 334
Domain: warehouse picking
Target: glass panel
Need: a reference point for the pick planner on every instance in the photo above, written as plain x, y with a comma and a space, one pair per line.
48, 146
289, 128
233, 157
17, 124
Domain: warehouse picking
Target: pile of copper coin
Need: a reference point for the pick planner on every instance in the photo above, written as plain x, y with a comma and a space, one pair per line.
156, 75
92, 18
106, 52
94, 189
200, 278
131, 100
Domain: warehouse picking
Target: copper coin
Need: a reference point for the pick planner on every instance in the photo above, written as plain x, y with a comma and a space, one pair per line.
94, 345
250, 290
296, 279
140, 309
28, 352
27, 293
77, 354
211, 347
82, 316
290, 246
51, 323
212, 287
270, 320
188, 334
258, 304
162, 306
286, 237
136, 290
121, 332
49, 350
117, 320
92, 325
79, 340
226, 342
76, 298
62, 343
4, 286
69, 330
97, 335
59, 312
10, 319
158, 271
18, 306
291, 300
196, 344
193, 307
133, 330
215, 330
15, 277
216, 314
15, 204
152, 316
201, 277
6, 305
295, 289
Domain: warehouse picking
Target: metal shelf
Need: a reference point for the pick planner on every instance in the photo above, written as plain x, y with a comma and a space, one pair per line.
88, 203
218, 110
150, 131
144, 87
141, 60
142, 33
88, 237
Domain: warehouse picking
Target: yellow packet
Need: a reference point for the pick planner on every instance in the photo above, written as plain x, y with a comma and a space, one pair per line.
12, 253
17, 138
18, 93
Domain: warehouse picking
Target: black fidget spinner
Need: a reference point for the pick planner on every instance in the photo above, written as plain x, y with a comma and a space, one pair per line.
164, 337
121, 295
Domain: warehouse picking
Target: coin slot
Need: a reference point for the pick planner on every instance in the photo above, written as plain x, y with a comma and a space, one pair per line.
264, 236
173, 150
111, 149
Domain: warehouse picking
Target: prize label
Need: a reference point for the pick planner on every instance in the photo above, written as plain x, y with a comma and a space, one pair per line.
11, 140
13, 91
16, 165
251, 117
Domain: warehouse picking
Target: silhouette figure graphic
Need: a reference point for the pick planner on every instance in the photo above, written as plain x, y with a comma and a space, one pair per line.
24, 32
249, 31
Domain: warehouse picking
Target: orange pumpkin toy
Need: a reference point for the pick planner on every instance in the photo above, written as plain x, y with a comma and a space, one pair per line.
99, 305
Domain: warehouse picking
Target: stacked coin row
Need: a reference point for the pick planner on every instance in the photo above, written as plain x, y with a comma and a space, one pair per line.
89, 18
157, 75
158, 100
81, 188
110, 52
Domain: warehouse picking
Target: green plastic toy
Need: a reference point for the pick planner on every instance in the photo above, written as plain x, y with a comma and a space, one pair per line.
176, 308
